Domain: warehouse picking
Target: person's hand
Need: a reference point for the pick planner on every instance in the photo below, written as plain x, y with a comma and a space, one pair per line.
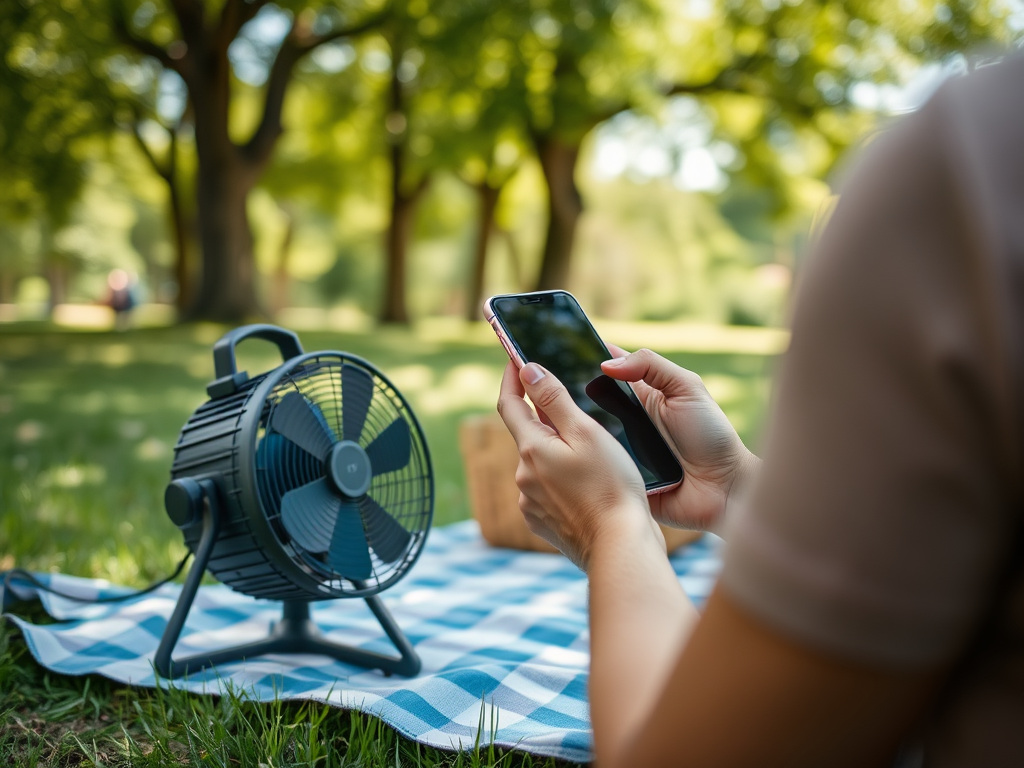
576, 482
714, 459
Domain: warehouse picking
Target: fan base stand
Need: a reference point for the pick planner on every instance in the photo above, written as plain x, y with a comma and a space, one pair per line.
296, 633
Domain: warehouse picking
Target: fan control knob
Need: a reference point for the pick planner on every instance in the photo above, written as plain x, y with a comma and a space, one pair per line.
183, 501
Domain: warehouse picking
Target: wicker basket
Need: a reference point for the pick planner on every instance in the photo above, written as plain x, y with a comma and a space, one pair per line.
490, 457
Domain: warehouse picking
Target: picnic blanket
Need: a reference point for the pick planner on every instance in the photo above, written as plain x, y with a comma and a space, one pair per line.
497, 630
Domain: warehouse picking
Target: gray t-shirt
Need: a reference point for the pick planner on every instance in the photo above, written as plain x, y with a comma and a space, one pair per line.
887, 525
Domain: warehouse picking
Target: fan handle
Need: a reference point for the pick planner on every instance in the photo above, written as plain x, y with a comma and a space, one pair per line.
229, 378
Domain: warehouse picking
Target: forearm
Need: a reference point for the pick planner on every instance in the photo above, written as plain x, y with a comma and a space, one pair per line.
639, 620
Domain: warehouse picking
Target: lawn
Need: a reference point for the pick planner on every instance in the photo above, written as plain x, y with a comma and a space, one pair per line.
87, 425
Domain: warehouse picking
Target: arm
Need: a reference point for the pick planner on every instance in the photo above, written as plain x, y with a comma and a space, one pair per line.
639, 619
736, 692
743, 695
639, 613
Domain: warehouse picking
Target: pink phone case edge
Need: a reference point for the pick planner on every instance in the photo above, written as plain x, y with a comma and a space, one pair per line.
506, 342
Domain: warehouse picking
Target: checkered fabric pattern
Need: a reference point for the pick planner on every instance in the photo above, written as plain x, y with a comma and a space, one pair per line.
496, 629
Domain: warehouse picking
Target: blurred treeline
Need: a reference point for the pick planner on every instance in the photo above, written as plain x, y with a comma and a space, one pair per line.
661, 158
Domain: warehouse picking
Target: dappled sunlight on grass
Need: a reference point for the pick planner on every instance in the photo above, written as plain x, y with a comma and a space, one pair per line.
94, 316
411, 378
725, 389
695, 337
88, 422
72, 476
470, 385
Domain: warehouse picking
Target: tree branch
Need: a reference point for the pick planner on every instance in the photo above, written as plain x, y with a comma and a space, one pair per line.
234, 15
191, 20
141, 44
314, 41
697, 89
728, 80
165, 172
299, 41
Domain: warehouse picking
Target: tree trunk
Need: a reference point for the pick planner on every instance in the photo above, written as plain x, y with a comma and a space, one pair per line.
57, 279
394, 308
403, 217
488, 196
227, 290
224, 178
183, 299
179, 227
280, 288
515, 260
8, 287
54, 270
558, 162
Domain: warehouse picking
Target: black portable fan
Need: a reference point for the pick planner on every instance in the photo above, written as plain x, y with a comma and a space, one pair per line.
309, 482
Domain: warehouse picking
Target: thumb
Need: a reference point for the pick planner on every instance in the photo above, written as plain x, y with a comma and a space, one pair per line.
550, 397
655, 371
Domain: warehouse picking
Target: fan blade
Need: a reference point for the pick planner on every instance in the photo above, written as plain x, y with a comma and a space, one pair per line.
349, 553
309, 514
270, 451
356, 394
295, 418
387, 536
390, 450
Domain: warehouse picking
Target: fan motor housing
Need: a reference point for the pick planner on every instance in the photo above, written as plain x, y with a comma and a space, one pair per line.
219, 443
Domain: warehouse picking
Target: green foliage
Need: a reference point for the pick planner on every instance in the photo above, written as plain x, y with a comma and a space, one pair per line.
779, 79
783, 88
51, 99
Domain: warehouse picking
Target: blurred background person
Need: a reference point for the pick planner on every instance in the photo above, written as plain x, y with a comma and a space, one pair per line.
121, 297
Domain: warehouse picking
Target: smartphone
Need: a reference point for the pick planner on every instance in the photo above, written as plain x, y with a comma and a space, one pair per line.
550, 328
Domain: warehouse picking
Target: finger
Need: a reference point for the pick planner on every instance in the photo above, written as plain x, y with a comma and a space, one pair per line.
616, 350
519, 418
510, 383
550, 397
655, 371
642, 390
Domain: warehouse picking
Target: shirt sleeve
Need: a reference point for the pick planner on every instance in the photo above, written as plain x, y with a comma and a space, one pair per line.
879, 521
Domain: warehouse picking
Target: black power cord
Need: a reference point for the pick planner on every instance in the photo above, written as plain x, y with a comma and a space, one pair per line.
20, 574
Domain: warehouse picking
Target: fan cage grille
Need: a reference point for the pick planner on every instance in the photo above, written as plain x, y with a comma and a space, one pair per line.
406, 494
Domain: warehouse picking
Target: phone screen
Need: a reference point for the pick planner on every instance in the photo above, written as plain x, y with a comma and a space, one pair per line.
550, 329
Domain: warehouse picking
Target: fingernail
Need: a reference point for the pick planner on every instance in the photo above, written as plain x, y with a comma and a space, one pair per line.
532, 373
615, 361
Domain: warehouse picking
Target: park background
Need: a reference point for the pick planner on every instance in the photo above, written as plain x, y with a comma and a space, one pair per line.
366, 173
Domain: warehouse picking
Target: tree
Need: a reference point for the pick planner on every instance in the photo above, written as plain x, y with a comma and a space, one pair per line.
425, 112
406, 189
431, 61
466, 111
53, 104
790, 68
229, 169
167, 169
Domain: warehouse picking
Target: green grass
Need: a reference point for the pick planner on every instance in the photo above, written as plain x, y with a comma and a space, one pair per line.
87, 425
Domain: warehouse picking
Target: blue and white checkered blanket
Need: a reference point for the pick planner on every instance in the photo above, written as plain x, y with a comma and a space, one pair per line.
496, 629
